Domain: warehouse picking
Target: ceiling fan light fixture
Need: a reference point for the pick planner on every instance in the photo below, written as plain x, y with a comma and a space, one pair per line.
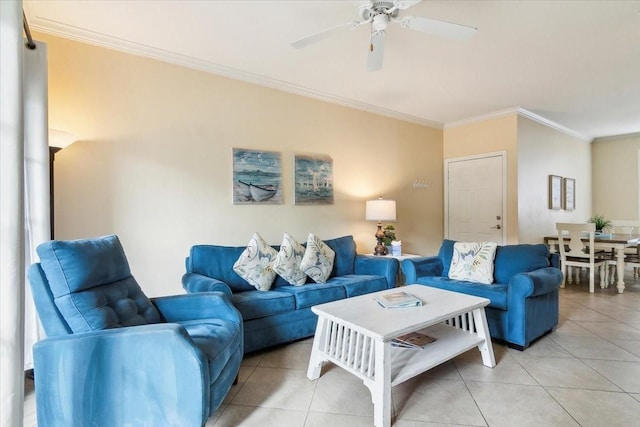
380, 22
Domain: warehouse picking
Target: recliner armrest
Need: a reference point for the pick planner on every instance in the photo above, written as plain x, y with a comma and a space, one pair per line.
378, 266
202, 305
194, 282
421, 266
148, 367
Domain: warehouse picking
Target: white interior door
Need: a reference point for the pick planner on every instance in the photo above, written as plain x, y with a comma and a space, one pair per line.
476, 198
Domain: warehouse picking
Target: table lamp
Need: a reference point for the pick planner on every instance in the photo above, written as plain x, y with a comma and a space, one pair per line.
380, 210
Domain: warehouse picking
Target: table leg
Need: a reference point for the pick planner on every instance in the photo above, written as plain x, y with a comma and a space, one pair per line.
620, 268
316, 359
381, 390
482, 329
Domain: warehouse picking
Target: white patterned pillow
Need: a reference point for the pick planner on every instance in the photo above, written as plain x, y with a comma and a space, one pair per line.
317, 262
473, 261
255, 264
287, 262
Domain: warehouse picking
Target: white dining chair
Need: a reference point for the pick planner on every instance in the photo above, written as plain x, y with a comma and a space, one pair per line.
576, 253
632, 253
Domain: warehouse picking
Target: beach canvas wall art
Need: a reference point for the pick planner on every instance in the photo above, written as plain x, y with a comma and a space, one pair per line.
257, 177
313, 180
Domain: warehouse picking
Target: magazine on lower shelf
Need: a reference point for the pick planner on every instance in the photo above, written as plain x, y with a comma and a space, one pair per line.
414, 340
397, 300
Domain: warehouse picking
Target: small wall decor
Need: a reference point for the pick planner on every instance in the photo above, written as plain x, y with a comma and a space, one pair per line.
569, 194
313, 180
257, 177
555, 192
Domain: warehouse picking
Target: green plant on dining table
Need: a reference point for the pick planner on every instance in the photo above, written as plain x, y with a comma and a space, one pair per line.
600, 221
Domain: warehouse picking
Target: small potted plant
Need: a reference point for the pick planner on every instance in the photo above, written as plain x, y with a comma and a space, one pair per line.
389, 236
601, 222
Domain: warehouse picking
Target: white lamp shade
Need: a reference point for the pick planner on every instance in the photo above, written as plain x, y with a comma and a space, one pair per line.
381, 210
61, 139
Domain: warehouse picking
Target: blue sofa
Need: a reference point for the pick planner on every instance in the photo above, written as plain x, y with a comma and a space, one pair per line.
283, 314
114, 357
524, 295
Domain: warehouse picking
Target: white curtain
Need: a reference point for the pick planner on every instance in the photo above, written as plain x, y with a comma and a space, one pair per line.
23, 206
11, 215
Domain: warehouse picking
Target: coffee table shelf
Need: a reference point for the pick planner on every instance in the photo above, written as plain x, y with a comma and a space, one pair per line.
406, 363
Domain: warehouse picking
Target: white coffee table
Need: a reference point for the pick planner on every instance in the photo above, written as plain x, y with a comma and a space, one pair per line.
356, 333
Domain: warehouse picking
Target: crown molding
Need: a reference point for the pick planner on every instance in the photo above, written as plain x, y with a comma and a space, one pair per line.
98, 39
481, 118
553, 125
623, 136
521, 112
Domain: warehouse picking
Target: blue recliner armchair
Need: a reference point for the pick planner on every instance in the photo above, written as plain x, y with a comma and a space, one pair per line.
114, 357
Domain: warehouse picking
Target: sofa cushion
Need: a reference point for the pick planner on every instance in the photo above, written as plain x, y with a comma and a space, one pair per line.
255, 264
345, 249
496, 293
287, 262
522, 258
473, 261
92, 285
318, 258
315, 293
360, 284
255, 305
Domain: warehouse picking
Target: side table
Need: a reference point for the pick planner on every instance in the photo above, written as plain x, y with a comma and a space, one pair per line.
400, 279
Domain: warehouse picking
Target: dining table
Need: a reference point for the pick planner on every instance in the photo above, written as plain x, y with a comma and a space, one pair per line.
617, 242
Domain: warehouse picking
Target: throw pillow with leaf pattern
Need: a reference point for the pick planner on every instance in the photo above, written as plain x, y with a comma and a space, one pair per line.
255, 264
473, 261
318, 258
288, 260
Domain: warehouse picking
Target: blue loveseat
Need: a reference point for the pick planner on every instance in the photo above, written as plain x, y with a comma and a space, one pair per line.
524, 294
283, 314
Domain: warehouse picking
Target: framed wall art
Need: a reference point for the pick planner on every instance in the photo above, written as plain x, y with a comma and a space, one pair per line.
313, 180
555, 192
257, 177
569, 194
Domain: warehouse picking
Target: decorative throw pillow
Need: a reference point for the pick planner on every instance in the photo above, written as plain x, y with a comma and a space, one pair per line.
317, 262
255, 264
287, 262
473, 261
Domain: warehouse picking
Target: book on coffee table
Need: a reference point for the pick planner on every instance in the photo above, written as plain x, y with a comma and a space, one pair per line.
398, 299
414, 340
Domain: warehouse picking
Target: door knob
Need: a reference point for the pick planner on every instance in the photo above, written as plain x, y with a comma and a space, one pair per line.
497, 227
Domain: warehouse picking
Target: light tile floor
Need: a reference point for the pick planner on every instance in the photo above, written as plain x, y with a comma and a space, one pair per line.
585, 373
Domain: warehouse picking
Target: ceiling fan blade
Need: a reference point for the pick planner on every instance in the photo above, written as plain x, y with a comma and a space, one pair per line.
376, 51
444, 29
314, 38
405, 4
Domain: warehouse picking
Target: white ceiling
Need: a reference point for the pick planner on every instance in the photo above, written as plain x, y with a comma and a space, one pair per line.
572, 63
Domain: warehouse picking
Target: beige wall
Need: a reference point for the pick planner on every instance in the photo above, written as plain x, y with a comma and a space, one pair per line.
543, 151
153, 163
615, 176
487, 136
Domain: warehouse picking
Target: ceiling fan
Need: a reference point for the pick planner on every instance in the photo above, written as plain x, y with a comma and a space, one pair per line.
379, 14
